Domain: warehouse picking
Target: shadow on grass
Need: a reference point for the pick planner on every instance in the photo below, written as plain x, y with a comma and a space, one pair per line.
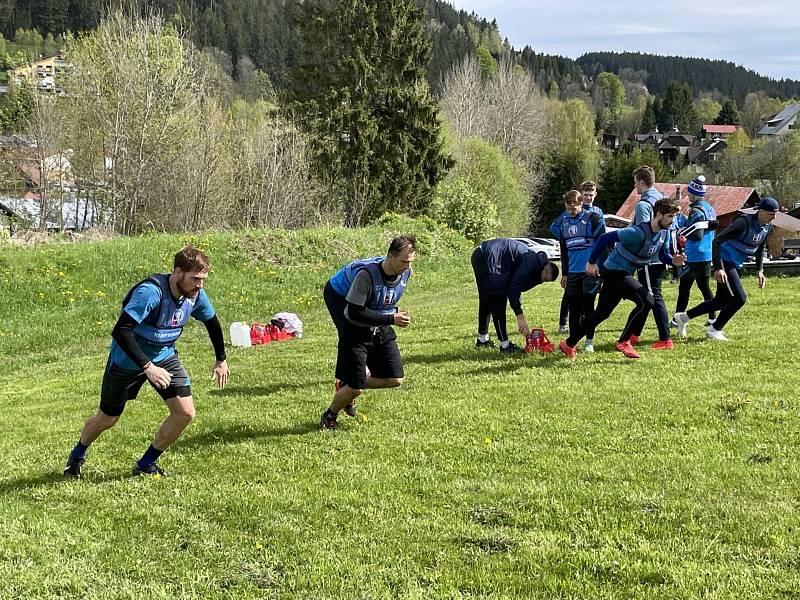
54, 478
270, 389
235, 434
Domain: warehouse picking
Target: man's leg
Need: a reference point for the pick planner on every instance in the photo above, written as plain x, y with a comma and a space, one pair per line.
705, 289
736, 299
484, 309
633, 290
564, 312
351, 371
119, 386
497, 305
651, 278
685, 288
609, 298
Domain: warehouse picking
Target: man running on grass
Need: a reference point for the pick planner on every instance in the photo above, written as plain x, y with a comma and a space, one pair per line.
504, 268
153, 315
744, 237
651, 275
362, 300
699, 234
635, 246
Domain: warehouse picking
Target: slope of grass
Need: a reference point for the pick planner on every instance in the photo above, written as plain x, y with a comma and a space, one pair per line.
483, 476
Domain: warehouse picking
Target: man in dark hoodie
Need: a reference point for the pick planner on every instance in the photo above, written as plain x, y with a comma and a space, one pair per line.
504, 268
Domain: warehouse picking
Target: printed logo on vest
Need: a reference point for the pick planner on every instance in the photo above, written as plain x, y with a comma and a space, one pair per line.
177, 317
573, 230
389, 297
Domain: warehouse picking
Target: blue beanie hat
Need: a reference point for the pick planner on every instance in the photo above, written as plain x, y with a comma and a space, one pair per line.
697, 186
769, 204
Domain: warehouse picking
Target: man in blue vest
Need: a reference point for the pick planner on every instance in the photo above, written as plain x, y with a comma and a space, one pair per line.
634, 247
588, 191
362, 300
651, 275
577, 233
746, 236
504, 268
698, 231
152, 318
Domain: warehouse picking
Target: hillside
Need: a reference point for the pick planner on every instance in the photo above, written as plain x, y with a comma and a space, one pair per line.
701, 74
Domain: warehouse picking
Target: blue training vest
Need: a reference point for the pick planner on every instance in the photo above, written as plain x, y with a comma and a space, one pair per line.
384, 298
736, 251
165, 323
700, 251
649, 247
577, 235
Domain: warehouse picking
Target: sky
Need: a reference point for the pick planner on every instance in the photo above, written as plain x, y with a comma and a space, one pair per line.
762, 35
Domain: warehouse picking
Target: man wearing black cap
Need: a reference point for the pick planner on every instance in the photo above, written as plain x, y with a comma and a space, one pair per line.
746, 236
504, 268
698, 232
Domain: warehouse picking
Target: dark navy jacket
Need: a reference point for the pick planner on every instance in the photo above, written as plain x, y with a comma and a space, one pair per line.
512, 268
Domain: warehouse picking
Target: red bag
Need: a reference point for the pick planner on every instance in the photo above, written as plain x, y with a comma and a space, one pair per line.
537, 341
259, 334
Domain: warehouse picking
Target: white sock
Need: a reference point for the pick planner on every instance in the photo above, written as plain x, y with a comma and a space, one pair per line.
588, 341
504, 344
483, 337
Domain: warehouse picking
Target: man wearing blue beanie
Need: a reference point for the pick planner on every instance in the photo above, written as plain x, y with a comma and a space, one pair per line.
699, 234
746, 236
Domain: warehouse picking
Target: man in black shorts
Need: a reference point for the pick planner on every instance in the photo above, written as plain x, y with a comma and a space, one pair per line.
153, 315
362, 300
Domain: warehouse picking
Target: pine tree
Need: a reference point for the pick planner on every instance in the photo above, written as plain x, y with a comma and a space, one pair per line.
678, 109
361, 93
729, 115
649, 120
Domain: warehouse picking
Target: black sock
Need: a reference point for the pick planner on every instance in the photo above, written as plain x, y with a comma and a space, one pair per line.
149, 457
78, 452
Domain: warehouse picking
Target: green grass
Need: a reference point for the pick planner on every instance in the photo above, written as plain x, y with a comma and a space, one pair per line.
483, 476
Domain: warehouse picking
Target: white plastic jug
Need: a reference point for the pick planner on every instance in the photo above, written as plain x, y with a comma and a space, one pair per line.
240, 334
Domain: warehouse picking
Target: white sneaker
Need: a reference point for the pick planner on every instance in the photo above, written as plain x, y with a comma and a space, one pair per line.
710, 321
713, 334
681, 321
588, 346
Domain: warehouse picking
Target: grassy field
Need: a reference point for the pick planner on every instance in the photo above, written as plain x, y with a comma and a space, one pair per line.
675, 476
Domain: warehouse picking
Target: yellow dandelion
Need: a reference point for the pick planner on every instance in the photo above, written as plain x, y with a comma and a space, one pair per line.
259, 546
364, 418
487, 440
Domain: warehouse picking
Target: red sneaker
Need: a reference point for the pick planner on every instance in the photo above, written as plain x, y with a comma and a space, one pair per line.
634, 339
627, 349
662, 345
568, 350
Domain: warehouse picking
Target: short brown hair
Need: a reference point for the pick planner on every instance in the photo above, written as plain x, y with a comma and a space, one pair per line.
645, 174
666, 206
588, 186
402, 242
191, 260
572, 197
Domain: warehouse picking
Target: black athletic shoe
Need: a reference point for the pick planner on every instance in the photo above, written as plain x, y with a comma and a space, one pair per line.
486, 344
328, 421
350, 409
512, 348
153, 469
73, 468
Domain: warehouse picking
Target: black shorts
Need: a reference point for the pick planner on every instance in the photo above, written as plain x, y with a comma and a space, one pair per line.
361, 347
121, 385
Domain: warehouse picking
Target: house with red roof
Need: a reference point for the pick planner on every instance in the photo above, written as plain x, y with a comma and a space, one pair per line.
718, 131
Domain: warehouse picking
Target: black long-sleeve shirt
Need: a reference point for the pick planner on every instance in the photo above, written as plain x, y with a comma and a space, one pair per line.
124, 336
